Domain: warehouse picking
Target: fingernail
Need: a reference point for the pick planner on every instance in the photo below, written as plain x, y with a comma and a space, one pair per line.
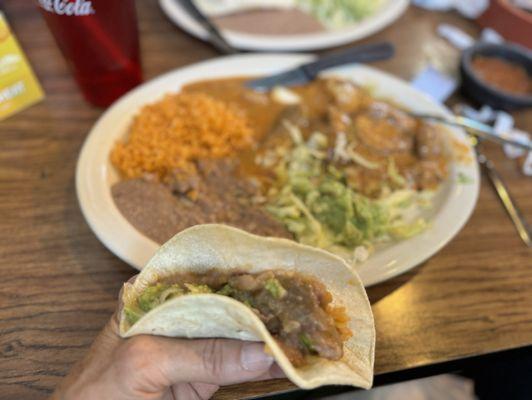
253, 357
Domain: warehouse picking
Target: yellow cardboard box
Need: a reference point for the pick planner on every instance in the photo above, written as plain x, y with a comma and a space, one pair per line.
19, 87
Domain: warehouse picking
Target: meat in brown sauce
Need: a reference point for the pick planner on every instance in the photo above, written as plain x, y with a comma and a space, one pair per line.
297, 310
381, 132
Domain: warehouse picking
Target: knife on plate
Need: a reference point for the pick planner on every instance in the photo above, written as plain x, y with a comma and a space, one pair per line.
308, 72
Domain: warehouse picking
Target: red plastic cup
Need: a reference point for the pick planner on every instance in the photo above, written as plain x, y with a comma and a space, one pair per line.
99, 39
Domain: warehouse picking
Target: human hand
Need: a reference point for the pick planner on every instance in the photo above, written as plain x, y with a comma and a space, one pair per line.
159, 368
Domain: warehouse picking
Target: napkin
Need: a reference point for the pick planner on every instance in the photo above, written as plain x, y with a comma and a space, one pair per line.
503, 123
437, 85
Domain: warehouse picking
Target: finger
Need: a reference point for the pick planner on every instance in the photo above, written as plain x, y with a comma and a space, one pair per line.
114, 323
213, 361
275, 372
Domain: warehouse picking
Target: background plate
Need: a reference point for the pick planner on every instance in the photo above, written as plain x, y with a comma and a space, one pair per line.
389, 12
454, 202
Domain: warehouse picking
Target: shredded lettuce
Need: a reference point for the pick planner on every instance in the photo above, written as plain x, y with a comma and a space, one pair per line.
133, 314
157, 294
339, 13
275, 288
360, 160
197, 289
170, 293
393, 174
318, 206
150, 297
227, 290
306, 342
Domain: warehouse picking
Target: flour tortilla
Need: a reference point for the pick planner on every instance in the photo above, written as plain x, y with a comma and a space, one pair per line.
205, 247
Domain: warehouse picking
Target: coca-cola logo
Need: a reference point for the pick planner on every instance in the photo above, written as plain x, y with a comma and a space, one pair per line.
68, 7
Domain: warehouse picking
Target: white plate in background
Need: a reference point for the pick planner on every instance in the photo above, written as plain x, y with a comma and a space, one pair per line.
453, 203
386, 15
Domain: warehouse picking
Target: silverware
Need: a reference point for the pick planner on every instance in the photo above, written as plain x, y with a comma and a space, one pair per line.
215, 37
476, 128
505, 197
308, 72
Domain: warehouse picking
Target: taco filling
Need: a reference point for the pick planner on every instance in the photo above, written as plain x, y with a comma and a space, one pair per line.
295, 308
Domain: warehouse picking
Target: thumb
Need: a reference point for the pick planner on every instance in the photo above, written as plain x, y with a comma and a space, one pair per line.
215, 361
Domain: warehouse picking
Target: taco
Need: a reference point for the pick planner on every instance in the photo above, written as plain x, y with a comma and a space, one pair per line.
308, 306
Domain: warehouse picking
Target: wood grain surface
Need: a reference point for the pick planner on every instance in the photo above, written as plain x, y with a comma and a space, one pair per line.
58, 284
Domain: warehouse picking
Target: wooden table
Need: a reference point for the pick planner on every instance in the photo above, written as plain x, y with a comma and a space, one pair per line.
59, 285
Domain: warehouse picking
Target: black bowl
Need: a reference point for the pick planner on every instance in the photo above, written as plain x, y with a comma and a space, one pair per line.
481, 91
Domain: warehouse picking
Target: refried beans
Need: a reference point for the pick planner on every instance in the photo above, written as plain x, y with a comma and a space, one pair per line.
214, 193
271, 22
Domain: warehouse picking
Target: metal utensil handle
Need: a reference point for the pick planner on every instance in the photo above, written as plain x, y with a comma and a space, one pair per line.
221, 44
360, 54
482, 130
506, 199
215, 37
490, 133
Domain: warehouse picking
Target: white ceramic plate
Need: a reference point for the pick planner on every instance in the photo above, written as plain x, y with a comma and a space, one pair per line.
453, 205
389, 12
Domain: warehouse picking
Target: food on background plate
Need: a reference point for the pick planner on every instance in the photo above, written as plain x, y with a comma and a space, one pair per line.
503, 75
308, 306
211, 193
271, 22
339, 13
325, 164
287, 17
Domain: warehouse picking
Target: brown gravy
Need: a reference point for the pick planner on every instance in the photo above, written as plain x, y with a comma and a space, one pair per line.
383, 132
